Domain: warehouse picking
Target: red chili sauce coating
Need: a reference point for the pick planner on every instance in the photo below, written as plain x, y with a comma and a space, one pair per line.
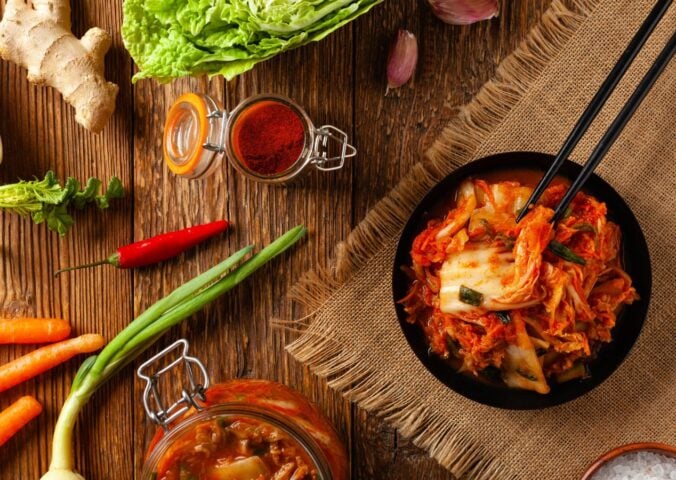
268, 137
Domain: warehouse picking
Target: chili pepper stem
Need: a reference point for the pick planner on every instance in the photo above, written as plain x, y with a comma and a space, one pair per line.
113, 260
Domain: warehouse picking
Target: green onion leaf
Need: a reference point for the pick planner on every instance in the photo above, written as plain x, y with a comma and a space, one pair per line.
584, 227
504, 317
453, 346
491, 373
470, 297
489, 228
581, 326
506, 240
82, 372
579, 370
526, 374
558, 248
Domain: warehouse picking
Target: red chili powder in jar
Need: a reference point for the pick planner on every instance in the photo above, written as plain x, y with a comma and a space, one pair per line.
268, 137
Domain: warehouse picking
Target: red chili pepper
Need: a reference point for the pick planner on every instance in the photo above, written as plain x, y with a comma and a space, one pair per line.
158, 248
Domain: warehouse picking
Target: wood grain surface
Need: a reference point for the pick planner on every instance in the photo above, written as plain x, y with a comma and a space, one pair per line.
339, 81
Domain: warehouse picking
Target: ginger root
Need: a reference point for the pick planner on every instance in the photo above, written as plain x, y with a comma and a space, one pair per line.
39, 38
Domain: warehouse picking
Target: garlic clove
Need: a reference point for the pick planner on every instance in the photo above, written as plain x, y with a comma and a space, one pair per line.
464, 12
402, 59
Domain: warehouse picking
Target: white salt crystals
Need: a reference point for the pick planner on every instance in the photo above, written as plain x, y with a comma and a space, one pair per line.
638, 466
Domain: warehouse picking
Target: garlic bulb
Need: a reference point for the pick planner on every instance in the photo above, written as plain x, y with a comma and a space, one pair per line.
464, 12
402, 59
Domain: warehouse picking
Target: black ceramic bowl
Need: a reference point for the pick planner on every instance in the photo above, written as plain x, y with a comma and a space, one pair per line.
630, 320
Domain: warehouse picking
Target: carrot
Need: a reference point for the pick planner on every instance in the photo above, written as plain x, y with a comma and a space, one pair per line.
44, 358
33, 330
16, 416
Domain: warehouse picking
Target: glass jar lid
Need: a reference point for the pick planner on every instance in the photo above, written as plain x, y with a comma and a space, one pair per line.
192, 132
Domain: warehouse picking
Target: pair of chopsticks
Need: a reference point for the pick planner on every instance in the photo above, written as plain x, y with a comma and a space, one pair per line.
597, 103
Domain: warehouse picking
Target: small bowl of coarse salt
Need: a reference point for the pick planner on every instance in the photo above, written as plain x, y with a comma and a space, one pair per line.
636, 461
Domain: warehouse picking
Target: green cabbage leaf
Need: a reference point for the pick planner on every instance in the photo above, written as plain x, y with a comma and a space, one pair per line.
175, 38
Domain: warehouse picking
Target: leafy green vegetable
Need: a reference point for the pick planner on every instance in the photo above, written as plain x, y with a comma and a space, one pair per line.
566, 253
47, 201
171, 38
469, 296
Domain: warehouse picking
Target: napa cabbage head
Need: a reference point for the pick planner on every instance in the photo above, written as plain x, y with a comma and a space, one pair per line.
175, 38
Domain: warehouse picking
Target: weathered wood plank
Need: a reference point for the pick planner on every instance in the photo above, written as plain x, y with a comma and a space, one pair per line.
39, 133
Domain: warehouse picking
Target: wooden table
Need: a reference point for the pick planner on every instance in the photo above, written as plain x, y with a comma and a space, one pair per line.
339, 81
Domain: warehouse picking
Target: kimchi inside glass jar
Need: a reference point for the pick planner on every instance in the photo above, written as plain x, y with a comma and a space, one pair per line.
248, 430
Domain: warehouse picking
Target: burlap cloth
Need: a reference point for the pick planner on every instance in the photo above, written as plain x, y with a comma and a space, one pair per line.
354, 339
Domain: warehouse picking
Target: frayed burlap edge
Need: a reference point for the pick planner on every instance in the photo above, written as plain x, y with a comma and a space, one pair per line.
344, 371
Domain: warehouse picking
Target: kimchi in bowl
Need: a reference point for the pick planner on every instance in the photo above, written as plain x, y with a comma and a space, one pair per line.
526, 315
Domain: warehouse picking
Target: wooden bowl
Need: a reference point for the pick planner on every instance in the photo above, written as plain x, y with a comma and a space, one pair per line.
662, 448
610, 355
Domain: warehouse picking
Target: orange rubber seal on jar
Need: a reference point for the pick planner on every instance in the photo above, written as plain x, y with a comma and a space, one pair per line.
173, 117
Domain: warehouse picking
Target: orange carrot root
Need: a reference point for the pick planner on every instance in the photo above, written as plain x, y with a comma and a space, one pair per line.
16, 416
33, 330
42, 359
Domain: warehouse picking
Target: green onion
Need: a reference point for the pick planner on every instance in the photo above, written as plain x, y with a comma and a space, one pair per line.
526, 374
144, 331
490, 231
453, 346
470, 297
504, 317
566, 253
491, 373
584, 227
579, 370
568, 212
506, 240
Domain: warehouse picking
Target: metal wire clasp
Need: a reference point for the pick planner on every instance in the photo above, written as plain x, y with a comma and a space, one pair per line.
321, 148
219, 118
160, 414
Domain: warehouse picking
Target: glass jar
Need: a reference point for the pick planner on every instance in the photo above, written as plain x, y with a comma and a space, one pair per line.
212, 428
198, 132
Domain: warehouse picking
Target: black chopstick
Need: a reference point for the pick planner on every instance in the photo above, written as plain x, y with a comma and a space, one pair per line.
599, 100
618, 124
